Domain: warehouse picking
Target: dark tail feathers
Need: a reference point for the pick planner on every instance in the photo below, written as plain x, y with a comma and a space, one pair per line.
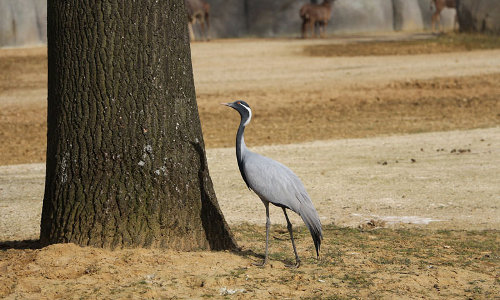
311, 219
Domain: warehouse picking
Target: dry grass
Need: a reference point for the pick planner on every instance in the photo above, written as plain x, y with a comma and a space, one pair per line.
441, 44
316, 111
23, 69
398, 108
355, 263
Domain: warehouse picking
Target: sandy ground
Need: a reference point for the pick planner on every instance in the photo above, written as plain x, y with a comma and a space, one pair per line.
261, 65
443, 180
452, 183
296, 97
378, 264
401, 151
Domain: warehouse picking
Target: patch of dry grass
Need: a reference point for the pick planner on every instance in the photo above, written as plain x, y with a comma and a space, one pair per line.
354, 263
440, 44
294, 115
381, 262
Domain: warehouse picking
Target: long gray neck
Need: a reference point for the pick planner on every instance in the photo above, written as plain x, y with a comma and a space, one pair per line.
241, 148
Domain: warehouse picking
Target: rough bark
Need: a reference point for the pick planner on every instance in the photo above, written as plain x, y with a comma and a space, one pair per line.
126, 162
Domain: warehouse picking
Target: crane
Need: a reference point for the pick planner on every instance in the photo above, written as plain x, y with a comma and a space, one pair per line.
274, 183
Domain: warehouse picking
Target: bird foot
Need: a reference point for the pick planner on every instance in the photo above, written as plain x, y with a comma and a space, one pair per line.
295, 266
262, 264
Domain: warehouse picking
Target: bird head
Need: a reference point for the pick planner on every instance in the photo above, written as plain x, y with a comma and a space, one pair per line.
243, 108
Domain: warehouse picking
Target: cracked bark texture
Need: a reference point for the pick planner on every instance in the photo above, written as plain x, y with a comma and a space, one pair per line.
126, 163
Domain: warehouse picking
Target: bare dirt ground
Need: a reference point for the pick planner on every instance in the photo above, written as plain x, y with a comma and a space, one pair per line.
362, 96
401, 149
443, 180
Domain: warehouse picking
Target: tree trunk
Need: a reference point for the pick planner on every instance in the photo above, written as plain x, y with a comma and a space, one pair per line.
126, 162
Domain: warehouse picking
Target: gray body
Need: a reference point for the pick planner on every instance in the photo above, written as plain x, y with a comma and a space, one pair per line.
274, 183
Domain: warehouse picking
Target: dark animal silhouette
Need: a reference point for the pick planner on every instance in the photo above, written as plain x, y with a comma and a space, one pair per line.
436, 16
198, 11
313, 15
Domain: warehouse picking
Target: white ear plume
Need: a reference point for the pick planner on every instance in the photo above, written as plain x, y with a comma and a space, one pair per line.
249, 114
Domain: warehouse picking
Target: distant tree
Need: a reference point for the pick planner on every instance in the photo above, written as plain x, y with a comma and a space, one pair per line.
126, 162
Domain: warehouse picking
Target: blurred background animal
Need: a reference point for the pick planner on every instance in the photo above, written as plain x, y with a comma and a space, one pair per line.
315, 15
436, 16
198, 11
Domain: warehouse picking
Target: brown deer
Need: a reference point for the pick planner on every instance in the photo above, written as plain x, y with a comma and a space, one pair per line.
436, 16
198, 11
315, 14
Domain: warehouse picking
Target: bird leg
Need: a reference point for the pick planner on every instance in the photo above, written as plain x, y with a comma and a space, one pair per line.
290, 230
268, 226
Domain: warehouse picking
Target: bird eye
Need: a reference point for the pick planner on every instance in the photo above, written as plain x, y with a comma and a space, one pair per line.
238, 102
